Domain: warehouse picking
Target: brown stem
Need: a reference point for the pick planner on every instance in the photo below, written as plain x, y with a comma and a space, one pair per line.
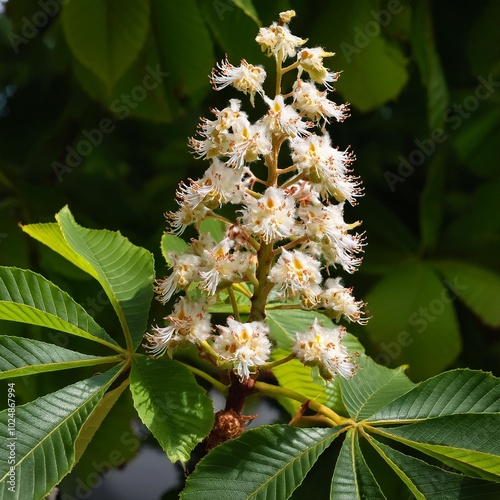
239, 390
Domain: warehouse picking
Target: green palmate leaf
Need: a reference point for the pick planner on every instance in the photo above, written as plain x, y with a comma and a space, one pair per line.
450, 393
215, 227
469, 443
428, 481
424, 48
295, 376
27, 297
171, 404
106, 35
372, 387
268, 462
19, 357
413, 320
172, 243
352, 478
125, 271
475, 286
95, 420
42, 438
185, 48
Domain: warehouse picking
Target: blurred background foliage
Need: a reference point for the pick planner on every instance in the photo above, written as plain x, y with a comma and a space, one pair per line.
98, 99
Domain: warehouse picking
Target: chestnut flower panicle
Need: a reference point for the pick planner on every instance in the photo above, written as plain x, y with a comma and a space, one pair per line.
288, 230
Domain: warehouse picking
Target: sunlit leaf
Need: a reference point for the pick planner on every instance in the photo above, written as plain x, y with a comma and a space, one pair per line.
215, 227
125, 271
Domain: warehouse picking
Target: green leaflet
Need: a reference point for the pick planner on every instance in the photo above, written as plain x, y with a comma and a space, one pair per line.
248, 8
268, 462
146, 76
19, 357
469, 443
125, 271
27, 297
431, 210
114, 440
454, 392
45, 431
171, 404
352, 478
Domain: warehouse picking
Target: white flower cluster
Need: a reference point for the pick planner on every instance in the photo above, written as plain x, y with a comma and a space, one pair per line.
289, 227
